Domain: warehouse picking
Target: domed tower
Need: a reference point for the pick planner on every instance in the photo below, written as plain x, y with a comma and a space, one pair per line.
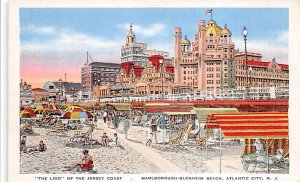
130, 36
225, 35
185, 45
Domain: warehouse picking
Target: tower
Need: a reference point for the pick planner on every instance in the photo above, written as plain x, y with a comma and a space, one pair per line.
130, 36
177, 54
201, 53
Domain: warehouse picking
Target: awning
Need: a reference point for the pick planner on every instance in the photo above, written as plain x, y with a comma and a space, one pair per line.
179, 113
251, 125
202, 113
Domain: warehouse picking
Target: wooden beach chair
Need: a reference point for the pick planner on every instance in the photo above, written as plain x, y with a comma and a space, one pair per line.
83, 135
27, 128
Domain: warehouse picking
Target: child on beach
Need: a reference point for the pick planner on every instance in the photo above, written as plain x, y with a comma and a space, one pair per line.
104, 139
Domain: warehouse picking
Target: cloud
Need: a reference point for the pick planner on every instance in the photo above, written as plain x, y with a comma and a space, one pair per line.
146, 31
69, 44
30, 28
283, 36
269, 50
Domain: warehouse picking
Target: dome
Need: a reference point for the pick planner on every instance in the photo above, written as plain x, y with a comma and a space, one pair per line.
185, 41
226, 30
215, 30
211, 22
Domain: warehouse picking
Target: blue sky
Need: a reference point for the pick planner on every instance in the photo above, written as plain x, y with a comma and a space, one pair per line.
62, 36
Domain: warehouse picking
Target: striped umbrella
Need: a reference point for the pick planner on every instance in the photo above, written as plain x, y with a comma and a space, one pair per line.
40, 111
56, 112
71, 108
77, 115
49, 106
27, 114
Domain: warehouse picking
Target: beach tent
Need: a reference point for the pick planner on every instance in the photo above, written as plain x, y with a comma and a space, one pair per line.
269, 126
202, 113
183, 116
257, 125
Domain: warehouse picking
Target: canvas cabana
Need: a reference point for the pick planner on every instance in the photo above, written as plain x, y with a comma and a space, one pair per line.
183, 116
270, 127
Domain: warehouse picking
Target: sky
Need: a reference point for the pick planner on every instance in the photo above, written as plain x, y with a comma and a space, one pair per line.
54, 41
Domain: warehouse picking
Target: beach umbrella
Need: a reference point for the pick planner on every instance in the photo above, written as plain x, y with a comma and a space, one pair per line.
77, 115
49, 106
40, 111
56, 112
71, 108
27, 114
27, 109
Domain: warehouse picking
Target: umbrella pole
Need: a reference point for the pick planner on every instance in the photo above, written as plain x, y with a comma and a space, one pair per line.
220, 150
267, 146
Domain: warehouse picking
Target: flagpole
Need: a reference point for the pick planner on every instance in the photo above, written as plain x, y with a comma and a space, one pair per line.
211, 14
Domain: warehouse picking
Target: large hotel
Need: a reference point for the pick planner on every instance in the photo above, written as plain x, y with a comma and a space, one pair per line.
209, 63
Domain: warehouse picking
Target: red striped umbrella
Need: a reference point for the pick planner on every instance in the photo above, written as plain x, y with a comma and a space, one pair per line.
27, 114
250, 125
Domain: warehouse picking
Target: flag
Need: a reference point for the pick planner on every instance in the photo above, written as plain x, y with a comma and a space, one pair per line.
209, 11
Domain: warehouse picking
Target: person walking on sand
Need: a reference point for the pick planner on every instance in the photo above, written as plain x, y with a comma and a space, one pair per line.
104, 116
126, 126
163, 128
149, 137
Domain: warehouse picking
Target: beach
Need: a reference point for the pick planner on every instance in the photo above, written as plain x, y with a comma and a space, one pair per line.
133, 157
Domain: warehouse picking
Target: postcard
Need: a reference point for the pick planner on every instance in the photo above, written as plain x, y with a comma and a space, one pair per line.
153, 91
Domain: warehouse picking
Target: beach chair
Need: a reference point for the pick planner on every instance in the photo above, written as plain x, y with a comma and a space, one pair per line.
60, 128
180, 135
27, 128
83, 135
202, 141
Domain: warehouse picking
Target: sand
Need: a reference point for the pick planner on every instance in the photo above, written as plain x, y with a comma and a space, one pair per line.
132, 157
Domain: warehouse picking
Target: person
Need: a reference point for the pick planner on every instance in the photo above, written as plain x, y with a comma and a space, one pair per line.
115, 142
277, 157
85, 164
41, 147
154, 127
149, 137
104, 116
23, 146
104, 139
126, 126
109, 119
163, 128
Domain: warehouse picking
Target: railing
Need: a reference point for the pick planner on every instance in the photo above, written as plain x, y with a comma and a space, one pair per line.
258, 93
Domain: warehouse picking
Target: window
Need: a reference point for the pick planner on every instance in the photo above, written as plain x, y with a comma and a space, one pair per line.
184, 72
210, 69
210, 82
218, 68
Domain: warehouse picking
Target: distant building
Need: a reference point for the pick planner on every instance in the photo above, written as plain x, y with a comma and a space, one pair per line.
25, 94
40, 95
154, 78
97, 73
263, 74
61, 91
137, 52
